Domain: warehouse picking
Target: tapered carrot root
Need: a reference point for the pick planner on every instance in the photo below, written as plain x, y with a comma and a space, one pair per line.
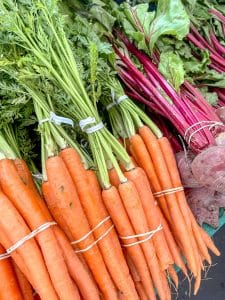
132, 203
182, 232
25, 287
67, 202
173, 275
188, 216
174, 249
76, 266
138, 177
120, 218
144, 160
109, 248
79, 274
14, 227
9, 288
27, 204
209, 243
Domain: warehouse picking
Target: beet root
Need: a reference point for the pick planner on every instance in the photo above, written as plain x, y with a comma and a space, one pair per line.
208, 168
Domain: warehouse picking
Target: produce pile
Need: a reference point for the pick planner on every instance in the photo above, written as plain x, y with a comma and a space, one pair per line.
111, 146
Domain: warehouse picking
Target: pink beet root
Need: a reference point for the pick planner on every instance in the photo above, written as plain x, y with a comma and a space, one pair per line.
221, 113
205, 205
184, 165
208, 168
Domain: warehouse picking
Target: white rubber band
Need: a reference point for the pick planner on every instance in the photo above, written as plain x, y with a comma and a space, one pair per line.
121, 99
117, 102
28, 237
168, 191
4, 256
149, 235
208, 124
58, 120
90, 232
37, 176
110, 105
95, 128
95, 242
90, 120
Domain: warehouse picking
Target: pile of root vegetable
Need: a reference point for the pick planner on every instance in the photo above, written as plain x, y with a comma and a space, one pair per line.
111, 146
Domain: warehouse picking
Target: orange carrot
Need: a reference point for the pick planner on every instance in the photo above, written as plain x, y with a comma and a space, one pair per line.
113, 177
144, 160
14, 227
139, 178
67, 201
132, 203
120, 218
180, 225
25, 287
173, 275
172, 244
25, 174
27, 204
4, 240
79, 274
53, 208
137, 280
9, 288
141, 291
76, 266
208, 241
176, 181
197, 282
94, 186
109, 248
132, 268
96, 192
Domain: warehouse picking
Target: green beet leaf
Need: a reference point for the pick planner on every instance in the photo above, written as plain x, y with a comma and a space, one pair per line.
171, 66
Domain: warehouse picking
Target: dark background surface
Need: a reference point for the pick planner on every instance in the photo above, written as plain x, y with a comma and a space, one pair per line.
213, 287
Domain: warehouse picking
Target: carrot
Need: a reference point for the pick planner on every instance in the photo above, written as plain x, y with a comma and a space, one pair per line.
197, 282
25, 287
14, 227
9, 288
173, 275
25, 174
139, 178
68, 203
110, 249
96, 192
172, 244
94, 186
27, 204
176, 181
132, 268
120, 218
113, 177
163, 173
141, 291
53, 208
132, 203
144, 160
208, 241
76, 266
4, 240
199, 239
79, 274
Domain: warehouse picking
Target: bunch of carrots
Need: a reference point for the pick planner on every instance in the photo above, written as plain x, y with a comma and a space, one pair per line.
117, 221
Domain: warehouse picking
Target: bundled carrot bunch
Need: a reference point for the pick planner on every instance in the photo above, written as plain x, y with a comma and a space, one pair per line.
113, 222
